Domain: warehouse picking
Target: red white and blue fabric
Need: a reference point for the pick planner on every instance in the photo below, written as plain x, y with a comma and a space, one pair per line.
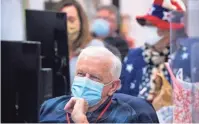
136, 73
161, 17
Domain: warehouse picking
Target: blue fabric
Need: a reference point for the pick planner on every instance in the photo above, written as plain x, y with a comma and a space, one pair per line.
159, 11
120, 111
186, 59
144, 110
131, 80
135, 76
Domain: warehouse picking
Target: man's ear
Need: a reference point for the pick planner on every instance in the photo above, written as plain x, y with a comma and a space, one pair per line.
114, 87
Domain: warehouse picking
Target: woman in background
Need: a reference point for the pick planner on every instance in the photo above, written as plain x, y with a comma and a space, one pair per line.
77, 30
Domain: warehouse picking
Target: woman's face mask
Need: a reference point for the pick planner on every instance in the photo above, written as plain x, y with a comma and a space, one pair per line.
73, 28
73, 23
151, 35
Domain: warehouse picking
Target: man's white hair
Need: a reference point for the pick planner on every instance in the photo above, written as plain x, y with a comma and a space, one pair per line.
102, 52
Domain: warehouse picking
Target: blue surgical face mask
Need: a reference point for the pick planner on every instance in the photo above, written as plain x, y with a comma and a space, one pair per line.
100, 28
88, 89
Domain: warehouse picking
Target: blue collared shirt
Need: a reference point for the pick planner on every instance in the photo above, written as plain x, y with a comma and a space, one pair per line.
52, 111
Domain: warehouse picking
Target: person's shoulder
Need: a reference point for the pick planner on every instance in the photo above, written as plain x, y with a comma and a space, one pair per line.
134, 56
55, 101
123, 112
51, 106
135, 51
144, 110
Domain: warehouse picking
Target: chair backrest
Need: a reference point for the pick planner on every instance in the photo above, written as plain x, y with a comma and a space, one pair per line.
145, 111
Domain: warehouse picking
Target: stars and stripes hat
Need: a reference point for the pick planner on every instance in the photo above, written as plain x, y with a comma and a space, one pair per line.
160, 14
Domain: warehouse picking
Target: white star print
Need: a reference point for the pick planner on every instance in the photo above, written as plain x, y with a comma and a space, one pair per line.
129, 67
184, 56
167, 16
125, 59
144, 70
151, 10
132, 86
172, 56
184, 48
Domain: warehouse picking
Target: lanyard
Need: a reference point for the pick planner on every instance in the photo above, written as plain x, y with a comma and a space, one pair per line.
98, 118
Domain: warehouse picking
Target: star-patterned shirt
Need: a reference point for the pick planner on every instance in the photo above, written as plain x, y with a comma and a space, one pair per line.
135, 79
132, 69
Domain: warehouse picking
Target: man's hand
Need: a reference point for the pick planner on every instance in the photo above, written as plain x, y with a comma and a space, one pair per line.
78, 108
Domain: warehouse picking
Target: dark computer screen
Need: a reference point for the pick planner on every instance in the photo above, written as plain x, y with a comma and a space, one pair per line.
20, 86
49, 28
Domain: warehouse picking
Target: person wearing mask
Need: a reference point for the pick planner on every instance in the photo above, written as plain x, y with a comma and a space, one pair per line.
144, 73
92, 98
77, 30
111, 14
100, 29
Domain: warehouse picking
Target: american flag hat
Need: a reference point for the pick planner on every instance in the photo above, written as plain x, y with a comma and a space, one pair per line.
160, 14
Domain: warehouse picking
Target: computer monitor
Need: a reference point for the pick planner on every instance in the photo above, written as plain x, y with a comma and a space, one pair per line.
49, 28
20, 87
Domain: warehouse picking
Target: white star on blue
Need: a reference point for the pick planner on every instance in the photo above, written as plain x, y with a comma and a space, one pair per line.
151, 10
125, 59
132, 86
129, 67
184, 56
167, 16
184, 49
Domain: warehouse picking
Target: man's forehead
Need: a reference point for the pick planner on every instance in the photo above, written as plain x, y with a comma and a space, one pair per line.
94, 60
94, 63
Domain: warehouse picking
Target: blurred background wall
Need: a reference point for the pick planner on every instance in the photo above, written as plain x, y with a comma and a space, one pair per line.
12, 26
12, 15
134, 8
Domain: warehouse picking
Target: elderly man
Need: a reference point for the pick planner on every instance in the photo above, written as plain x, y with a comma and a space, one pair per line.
96, 80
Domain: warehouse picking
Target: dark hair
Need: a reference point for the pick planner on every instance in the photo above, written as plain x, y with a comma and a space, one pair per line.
111, 8
84, 36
